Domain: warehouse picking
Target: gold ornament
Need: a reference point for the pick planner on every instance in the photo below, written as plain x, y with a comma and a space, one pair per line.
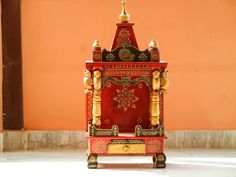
96, 44
126, 55
126, 99
97, 80
153, 44
156, 80
88, 81
96, 57
124, 16
164, 80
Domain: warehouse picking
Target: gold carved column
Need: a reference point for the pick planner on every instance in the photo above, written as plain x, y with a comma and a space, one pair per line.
88, 84
97, 80
160, 83
154, 110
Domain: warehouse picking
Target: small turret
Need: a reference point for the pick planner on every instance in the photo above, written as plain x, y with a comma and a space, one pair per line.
97, 52
154, 50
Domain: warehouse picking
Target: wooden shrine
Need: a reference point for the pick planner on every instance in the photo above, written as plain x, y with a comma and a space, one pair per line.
125, 98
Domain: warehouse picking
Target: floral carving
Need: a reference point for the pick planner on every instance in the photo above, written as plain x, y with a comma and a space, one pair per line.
110, 57
142, 57
99, 146
139, 120
123, 39
153, 146
126, 99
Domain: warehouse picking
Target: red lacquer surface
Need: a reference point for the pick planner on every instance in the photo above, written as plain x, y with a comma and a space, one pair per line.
133, 115
125, 108
99, 145
128, 32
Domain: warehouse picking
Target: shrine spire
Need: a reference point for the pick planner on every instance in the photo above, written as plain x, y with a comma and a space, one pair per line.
124, 36
124, 16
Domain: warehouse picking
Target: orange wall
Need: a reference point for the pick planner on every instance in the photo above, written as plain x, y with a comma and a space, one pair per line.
196, 37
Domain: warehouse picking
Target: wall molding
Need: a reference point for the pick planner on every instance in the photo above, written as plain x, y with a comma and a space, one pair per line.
43, 139
1, 141
201, 139
75, 139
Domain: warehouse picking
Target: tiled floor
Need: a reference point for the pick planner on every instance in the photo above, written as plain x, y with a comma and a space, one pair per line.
180, 163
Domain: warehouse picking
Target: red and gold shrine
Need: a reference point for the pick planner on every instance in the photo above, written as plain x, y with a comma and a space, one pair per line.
125, 98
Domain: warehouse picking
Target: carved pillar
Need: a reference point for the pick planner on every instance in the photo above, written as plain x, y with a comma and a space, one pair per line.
155, 113
154, 110
97, 80
88, 82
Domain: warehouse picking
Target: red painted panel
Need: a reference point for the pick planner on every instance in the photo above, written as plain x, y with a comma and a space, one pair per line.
124, 32
99, 145
125, 108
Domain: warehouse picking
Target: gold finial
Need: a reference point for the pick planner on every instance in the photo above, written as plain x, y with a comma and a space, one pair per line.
153, 44
96, 44
124, 16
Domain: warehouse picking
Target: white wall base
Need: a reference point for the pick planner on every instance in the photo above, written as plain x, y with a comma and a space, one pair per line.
57, 139
43, 139
201, 139
1, 141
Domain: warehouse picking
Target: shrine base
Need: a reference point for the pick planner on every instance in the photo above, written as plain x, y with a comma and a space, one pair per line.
126, 145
